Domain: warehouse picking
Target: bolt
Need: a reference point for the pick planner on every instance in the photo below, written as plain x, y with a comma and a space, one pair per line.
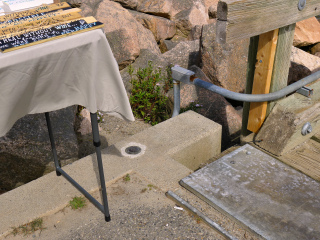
306, 129
301, 4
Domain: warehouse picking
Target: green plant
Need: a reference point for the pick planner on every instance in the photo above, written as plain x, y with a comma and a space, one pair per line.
29, 228
126, 178
77, 202
147, 97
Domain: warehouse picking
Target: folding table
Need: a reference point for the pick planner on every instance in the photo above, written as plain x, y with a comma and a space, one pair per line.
76, 70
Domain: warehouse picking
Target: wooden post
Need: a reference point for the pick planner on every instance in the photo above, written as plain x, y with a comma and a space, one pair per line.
281, 61
262, 77
252, 58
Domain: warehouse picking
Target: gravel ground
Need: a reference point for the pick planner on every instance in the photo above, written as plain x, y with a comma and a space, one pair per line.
138, 210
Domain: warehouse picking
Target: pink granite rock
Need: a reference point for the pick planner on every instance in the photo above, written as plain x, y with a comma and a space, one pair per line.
161, 28
307, 32
127, 36
224, 64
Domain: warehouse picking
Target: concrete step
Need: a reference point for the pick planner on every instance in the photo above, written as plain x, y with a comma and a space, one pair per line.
170, 151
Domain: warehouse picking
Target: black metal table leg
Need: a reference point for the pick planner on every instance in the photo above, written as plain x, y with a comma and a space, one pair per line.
96, 141
53, 146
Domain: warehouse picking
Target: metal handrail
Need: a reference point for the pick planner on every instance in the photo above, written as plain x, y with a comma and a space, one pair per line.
180, 74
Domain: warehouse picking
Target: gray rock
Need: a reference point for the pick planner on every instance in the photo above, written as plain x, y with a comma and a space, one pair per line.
25, 150
178, 6
184, 54
224, 64
195, 33
166, 45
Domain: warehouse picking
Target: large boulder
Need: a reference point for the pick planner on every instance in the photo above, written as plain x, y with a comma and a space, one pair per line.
161, 28
120, 23
224, 64
184, 54
193, 16
25, 151
307, 32
160, 8
124, 45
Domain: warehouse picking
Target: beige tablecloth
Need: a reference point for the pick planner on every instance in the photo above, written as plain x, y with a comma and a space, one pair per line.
78, 69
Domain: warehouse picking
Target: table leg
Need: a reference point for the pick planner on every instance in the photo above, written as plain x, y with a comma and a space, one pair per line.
53, 146
97, 143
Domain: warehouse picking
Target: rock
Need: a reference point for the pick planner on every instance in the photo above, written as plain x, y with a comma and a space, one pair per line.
302, 64
132, 4
301, 57
211, 7
160, 8
161, 28
315, 49
89, 7
166, 45
124, 45
141, 62
120, 23
85, 124
184, 54
187, 19
195, 33
307, 32
212, 11
297, 72
178, 6
224, 64
25, 151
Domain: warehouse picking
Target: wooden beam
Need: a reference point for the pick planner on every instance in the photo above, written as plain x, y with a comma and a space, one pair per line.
281, 65
281, 131
239, 19
262, 77
252, 58
305, 158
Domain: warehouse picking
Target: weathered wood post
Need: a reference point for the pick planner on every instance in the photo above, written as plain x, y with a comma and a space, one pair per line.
270, 25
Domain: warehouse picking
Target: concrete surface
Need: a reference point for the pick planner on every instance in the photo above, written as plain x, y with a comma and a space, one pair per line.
272, 199
172, 150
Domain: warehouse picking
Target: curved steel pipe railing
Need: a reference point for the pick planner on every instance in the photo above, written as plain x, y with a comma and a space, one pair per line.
183, 75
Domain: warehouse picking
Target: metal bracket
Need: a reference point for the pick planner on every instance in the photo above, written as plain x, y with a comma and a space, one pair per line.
305, 91
182, 75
